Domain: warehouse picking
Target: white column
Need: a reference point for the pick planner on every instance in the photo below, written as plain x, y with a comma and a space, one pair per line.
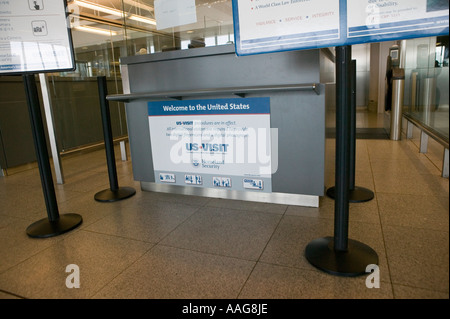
50, 128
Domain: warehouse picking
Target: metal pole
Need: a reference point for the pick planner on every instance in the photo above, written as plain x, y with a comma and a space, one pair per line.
352, 125
356, 194
107, 133
40, 144
55, 224
343, 94
114, 193
398, 84
340, 255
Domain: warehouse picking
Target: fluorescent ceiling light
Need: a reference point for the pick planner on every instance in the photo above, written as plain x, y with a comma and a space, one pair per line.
142, 19
95, 30
120, 13
98, 7
139, 5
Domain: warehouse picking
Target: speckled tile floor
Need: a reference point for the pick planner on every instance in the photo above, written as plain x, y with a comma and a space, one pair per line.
167, 246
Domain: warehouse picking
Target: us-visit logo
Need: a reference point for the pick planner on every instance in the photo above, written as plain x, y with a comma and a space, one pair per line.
201, 146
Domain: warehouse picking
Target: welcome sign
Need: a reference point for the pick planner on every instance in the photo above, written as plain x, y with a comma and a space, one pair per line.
218, 143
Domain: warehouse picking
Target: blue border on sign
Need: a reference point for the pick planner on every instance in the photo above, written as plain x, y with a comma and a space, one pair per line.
314, 40
335, 37
252, 105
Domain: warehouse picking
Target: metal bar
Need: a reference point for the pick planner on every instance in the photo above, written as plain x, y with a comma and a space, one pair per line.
107, 132
438, 137
91, 146
50, 129
236, 91
352, 145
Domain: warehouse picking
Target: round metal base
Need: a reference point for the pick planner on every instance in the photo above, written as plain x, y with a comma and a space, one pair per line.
45, 228
108, 195
356, 195
353, 262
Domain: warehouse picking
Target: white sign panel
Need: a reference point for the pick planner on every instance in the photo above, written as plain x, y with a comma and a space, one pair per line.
174, 13
371, 19
263, 26
222, 143
34, 36
268, 25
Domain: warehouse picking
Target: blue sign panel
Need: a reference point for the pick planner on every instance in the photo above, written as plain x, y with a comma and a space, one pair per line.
255, 105
263, 26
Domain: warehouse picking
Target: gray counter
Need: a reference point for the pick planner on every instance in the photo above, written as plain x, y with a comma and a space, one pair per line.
290, 80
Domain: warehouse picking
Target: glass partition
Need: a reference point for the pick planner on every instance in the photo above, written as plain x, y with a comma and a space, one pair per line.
426, 96
103, 31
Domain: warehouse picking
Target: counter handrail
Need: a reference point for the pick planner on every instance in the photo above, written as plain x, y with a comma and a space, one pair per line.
437, 136
239, 91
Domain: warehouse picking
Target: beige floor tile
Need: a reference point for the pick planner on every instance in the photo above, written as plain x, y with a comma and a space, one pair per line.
5, 295
16, 246
389, 150
411, 184
172, 273
148, 223
278, 282
429, 212
287, 245
418, 257
227, 232
405, 292
100, 258
22, 201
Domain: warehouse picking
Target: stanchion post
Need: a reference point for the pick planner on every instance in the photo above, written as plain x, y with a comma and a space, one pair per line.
356, 194
339, 255
114, 193
55, 224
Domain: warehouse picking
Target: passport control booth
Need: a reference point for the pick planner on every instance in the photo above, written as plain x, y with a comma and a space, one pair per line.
205, 122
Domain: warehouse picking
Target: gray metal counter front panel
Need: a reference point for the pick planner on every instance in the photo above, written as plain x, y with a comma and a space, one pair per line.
224, 70
299, 116
299, 119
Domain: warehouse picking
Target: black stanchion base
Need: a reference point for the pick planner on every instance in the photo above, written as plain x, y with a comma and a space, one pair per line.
356, 195
353, 262
109, 195
45, 228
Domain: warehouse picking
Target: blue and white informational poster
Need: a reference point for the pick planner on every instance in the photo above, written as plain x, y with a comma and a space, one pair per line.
214, 143
276, 25
35, 36
264, 26
377, 20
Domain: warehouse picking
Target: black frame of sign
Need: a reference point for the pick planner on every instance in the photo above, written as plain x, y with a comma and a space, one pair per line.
71, 50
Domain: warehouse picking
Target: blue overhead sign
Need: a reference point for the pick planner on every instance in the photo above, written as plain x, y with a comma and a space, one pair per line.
263, 26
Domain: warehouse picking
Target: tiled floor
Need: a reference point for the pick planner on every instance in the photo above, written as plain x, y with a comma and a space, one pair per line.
157, 245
